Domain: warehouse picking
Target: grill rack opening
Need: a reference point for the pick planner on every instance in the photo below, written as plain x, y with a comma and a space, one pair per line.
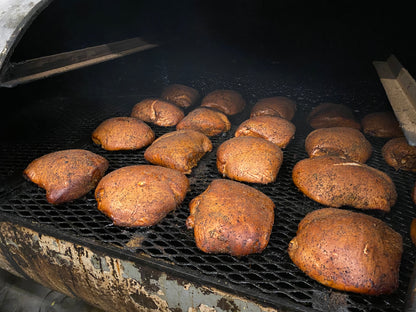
269, 277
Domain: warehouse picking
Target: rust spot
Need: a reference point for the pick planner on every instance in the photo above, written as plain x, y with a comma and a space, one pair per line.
144, 300
181, 282
147, 277
206, 291
227, 305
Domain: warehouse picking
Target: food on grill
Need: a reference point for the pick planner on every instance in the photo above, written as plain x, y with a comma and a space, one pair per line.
208, 121
338, 141
399, 154
382, 125
413, 231
140, 195
123, 133
328, 115
249, 159
231, 217
413, 195
334, 181
274, 129
348, 251
180, 95
158, 112
229, 102
179, 150
66, 175
279, 106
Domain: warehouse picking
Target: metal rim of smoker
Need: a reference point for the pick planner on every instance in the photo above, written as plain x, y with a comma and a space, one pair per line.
15, 19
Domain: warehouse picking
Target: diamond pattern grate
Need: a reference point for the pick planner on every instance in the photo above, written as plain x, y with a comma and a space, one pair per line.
269, 277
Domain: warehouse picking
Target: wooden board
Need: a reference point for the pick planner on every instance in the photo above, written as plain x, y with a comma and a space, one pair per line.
400, 88
42, 67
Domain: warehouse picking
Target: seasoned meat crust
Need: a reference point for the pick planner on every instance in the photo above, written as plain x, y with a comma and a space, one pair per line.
66, 175
327, 115
158, 112
274, 129
180, 95
208, 121
335, 182
179, 150
348, 251
279, 106
399, 154
382, 125
249, 159
123, 133
229, 102
413, 231
231, 217
140, 195
338, 141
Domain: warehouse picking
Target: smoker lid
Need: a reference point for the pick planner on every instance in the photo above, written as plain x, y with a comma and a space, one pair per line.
15, 18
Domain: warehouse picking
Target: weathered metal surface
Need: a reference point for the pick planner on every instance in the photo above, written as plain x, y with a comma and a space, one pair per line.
108, 283
15, 17
4, 264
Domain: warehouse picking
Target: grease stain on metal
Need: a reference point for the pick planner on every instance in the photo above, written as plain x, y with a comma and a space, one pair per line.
144, 300
227, 305
135, 242
109, 283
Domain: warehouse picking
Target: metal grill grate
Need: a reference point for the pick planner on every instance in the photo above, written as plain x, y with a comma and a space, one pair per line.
269, 277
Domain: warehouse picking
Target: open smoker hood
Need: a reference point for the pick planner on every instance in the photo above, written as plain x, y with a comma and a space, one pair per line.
301, 31
259, 48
